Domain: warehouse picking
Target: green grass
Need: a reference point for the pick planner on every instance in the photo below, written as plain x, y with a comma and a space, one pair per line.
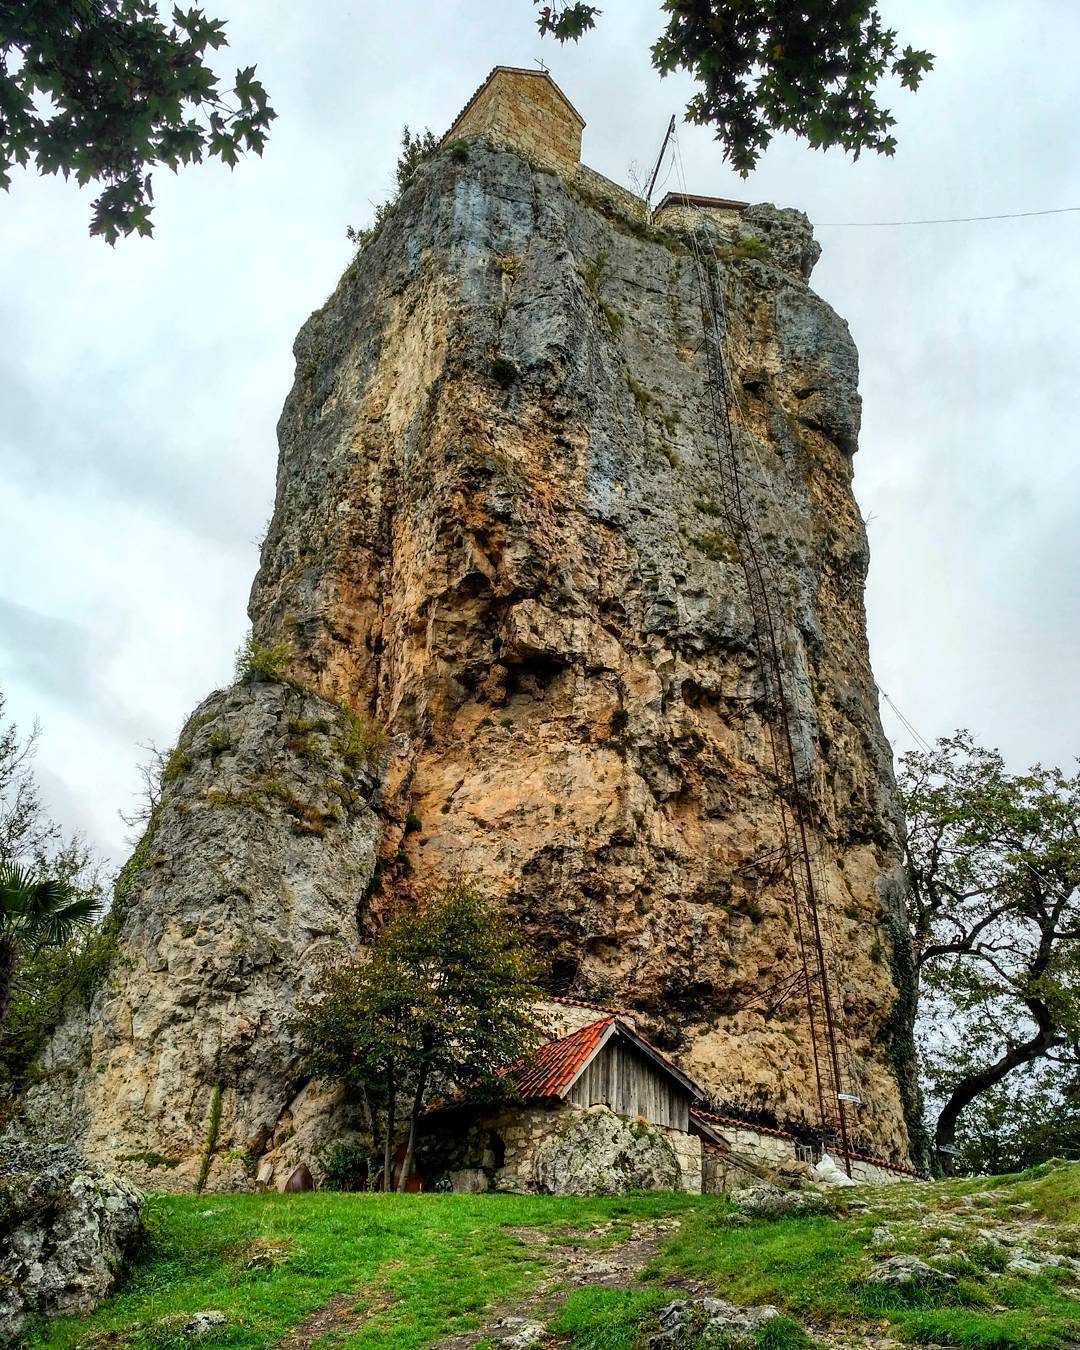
815, 1267
427, 1265
599, 1318
607, 1319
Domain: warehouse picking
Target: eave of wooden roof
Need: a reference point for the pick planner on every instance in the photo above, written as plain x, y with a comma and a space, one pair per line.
559, 1063
707, 203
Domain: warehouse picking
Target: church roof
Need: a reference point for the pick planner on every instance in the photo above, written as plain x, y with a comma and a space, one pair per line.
558, 1064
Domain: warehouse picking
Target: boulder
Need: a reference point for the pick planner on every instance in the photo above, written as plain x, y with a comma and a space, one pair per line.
66, 1233
770, 1202
703, 1321
900, 1271
600, 1153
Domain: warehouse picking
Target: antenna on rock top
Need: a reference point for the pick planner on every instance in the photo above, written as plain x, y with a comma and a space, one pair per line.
539, 60
660, 159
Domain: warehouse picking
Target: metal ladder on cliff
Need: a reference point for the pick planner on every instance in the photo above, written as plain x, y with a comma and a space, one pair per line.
794, 793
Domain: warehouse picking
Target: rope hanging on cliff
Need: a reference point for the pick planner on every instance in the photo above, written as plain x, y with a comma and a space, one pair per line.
791, 795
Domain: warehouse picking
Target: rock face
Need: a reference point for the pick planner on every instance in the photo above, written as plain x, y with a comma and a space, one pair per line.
497, 533
65, 1234
250, 872
497, 537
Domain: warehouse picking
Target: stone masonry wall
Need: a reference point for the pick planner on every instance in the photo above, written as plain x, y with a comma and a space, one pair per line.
523, 110
725, 219
557, 1150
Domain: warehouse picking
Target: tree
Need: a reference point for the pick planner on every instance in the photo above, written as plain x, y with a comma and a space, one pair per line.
812, 68
105, 91
994, 866
35, 913
414, 151
36, 978
1031, 1118
444, 999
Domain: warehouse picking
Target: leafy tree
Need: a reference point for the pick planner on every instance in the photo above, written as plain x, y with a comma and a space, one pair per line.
994, 865
1032, 1117
105, 91
36, 977
443, 1000
414, 151
35, 913
763, 66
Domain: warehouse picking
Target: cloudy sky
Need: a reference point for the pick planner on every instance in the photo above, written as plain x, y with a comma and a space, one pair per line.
139, 387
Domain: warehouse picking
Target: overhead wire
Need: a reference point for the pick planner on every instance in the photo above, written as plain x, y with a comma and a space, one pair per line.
939, 220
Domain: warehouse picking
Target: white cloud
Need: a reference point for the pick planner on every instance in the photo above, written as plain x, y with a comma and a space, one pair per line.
141, 385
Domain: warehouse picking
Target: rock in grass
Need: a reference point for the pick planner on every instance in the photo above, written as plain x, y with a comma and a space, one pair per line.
770, 1202
701, 1321
66, 1232
523, 1336
901, 1271
1025, 1265
202, 1323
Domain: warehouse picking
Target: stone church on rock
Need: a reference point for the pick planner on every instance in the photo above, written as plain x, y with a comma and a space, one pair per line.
569, 570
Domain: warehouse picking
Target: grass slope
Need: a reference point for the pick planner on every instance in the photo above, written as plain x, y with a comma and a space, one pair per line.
425, 1266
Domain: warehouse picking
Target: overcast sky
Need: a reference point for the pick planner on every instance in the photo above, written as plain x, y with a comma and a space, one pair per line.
140, 386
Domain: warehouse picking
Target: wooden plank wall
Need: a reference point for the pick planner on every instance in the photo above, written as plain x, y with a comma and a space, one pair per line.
624, 1080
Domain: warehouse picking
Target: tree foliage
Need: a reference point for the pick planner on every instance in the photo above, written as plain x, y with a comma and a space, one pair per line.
43, 873
104, 91
443, 1000
763, 66
36, 912
415, 149
1032, 1117
994, 865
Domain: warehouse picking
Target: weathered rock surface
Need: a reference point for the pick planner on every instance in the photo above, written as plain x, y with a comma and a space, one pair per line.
65, 1233
907, 1270
597, 1152
497, 533
770, 1202
252, 871
706, 1321
497, 536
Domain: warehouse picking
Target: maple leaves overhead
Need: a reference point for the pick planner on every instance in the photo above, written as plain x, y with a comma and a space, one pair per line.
811, 67
105, 91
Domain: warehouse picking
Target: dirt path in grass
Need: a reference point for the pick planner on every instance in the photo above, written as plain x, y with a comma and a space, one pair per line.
570, 1259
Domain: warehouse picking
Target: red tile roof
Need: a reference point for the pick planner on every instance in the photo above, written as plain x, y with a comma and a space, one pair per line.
733, 1124
554, 1068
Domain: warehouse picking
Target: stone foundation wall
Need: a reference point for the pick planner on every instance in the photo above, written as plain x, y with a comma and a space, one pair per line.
562, 1150
764, 1150
597, 186
725, 219
870, 1174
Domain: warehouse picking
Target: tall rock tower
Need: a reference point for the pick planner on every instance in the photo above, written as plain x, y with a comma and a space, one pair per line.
569, 570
